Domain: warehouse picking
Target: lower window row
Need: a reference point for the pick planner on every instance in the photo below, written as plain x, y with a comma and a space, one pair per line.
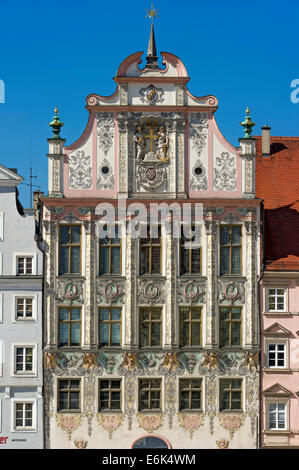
149, 395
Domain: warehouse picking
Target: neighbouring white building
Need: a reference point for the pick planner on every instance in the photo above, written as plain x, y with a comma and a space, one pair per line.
21, 268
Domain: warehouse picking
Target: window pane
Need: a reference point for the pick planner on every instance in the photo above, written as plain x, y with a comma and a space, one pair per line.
104, 260
236, 235
115, 314
104, 314
63, 403
104, 334
184, 261
115, 334
75, 334
224, 261
236, 260
195, 333
76, 230
224, 236
75, 260
144, 261
115, 260
195, 256
63, 314
224, 334
75, 314
64, 260
74, 400
155, 334
236, 334
155, 260
64, 234
63, 334
184, 337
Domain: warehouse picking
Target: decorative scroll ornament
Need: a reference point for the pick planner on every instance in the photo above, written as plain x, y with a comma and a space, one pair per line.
231, 291
105, 178
68, 423
150, 422
69, 290
191, 291
105, 132
79, 171
130, 361
81, 444
225, 172
151, 175
89, 361
110, 422
191, 422
151, 95
49, 361
111, 292
231, 423
170, 362
198, 181
252, 360
210, 361
222, 444
151, 292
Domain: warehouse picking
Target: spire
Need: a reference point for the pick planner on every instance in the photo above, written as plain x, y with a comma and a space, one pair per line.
56, 124
152, 58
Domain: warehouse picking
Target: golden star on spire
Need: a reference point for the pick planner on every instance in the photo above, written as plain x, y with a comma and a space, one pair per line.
152, 13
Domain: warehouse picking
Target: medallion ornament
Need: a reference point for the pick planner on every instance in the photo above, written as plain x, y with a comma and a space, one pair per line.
81, 444
191, 422
151, 95
231, 423
222, 444
68, 423
150, 422
110, 422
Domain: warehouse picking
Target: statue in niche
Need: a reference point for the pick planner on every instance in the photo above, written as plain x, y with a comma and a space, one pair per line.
162, 144
139, 143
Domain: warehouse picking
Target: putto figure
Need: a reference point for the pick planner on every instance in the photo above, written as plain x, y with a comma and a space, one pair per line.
139, 143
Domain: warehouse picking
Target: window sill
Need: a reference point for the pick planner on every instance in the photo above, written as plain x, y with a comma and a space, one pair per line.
24, 430
277, 313
114, 412
231, 412
276, 370
277, 431
69, 411
191, 411
150, 411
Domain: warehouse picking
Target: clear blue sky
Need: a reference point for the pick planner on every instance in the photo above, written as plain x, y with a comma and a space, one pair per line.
245, 53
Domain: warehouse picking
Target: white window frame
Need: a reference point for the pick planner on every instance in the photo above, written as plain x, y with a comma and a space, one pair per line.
24, 255
277, 402
26, 295
32, 373
276, 295
1, 307
1, 226
14, 401
276, 343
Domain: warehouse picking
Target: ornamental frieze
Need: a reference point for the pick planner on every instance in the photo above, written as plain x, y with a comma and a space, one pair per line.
225, 172
105, 131
151, 292
70, 291
110, 291
231, 291
79, 171
191, 292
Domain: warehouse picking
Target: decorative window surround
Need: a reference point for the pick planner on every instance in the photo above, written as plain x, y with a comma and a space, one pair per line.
24, 295
277, 353
277, 296
14, 372
14, 402
24, 255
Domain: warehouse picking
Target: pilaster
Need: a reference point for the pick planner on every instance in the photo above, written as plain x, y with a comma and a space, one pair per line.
211, 298
89, 304
56, 160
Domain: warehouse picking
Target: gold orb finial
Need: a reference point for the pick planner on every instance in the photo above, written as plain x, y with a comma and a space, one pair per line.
56, 110
247, 110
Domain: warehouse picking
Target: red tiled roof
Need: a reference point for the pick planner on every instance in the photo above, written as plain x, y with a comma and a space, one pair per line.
277, 183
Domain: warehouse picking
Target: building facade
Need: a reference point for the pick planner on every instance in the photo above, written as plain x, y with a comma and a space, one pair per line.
277, 184
21, 371
147, 341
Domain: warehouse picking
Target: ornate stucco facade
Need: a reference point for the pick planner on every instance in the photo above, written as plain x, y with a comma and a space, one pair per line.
151, 142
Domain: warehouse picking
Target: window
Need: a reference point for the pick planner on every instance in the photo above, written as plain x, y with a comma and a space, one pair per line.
149, 394
190, 394
68, 395
24, 307
109, 326
24, 359
277, 355
24, 265
190, 326
150, 326
70, 249
276, 300
110, 254
69, 326
150, 253
230, 326
109, 395
190, 261
277, 416
230, 249
230, 394
24, 418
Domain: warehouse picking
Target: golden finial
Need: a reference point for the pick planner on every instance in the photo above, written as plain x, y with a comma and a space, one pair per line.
152, 13
247, 110
56, 110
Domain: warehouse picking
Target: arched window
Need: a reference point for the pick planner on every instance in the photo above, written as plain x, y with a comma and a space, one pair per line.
151, 442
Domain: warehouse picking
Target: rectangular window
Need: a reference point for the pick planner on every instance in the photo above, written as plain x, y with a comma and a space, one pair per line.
190, 261
24, 359
110, 254
24, 307
24, 264
190, 326
276, 300
69, 249
230, 394
230, 326
150, 253
69, 326
230, 249
277, 355
149, 395
23, 415
190, 394
109, 326
109, 395
277, 415
150, 321
68, 395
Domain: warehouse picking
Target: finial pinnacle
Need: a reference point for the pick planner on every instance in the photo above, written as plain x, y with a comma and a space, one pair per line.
248, 125
56, 110
56, 125
152, 13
